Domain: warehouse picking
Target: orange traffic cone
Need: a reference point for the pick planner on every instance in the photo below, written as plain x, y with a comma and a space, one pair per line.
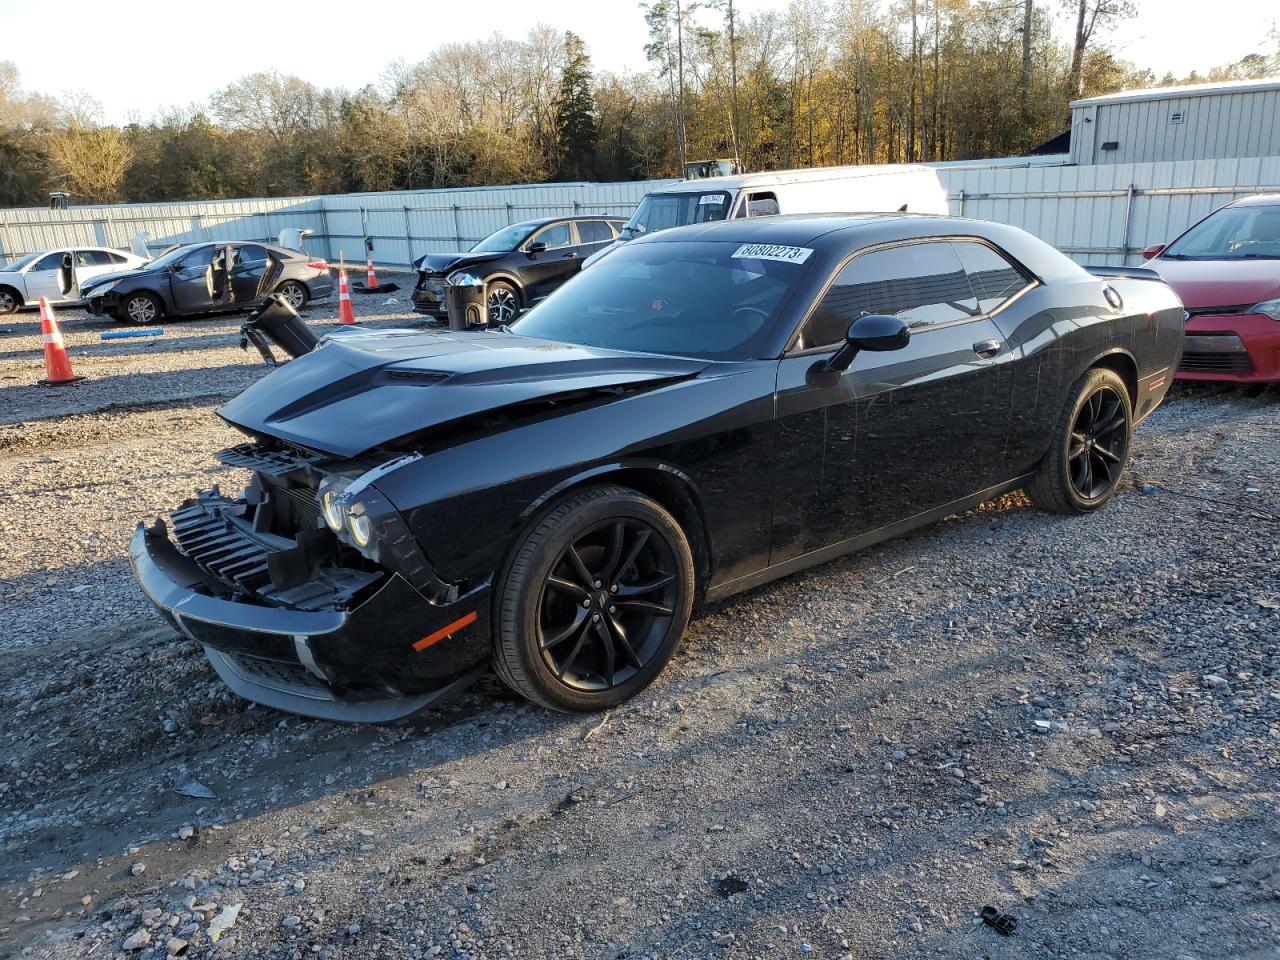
371, 278
57, 364
345, 313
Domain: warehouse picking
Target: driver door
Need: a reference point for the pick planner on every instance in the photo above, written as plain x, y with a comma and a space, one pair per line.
542, 272
900, 433
191, 281
45, 277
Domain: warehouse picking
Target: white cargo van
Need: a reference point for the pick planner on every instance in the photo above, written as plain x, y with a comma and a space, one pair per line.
871, 189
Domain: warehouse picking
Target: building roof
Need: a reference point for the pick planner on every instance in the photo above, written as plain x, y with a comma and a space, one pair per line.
1186, 90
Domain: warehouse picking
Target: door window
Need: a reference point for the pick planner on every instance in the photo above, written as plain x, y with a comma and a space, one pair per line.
555, 236
101, 258
922, 283
85, 258
52, 261
993, 278
251, 254
594, 231
761, 204
198, 258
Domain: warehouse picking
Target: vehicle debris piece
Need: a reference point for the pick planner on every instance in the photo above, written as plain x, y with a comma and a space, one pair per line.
1000, 921
224, 921
189, 786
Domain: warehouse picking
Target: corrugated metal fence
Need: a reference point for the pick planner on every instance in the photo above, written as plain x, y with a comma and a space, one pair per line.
404, 225
1096, 214
1107, 214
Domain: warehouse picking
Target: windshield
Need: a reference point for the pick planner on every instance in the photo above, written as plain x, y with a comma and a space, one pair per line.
171, 256
1233, 233
504, 241
661, 211
20, 262
685, 298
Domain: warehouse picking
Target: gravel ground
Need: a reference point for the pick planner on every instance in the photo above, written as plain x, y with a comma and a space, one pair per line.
1076, 720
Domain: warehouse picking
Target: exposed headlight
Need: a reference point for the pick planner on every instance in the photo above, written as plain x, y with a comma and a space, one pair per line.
98, 291
463, 279
333, 515
360, 528
1268, 308
331, 505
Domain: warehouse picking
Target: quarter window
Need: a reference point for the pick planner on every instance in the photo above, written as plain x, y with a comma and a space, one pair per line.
594, 231
994, 279
555, 236
922, 283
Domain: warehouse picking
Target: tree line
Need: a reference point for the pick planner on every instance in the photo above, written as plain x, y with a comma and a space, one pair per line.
821, 82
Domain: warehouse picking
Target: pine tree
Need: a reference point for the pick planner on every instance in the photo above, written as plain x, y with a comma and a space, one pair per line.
575, 112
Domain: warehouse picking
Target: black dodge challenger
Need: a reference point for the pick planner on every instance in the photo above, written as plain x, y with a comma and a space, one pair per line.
709, 408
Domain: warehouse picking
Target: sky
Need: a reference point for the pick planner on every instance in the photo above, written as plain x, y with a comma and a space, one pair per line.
157, 53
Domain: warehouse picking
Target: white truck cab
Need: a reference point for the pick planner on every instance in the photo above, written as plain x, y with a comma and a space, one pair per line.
885, 188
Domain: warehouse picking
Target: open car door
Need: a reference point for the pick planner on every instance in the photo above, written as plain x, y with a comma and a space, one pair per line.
68, 282
218, 276
255, 273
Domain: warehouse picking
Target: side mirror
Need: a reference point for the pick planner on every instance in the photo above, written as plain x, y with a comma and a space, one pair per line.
876, 332
535, 248
1153, 251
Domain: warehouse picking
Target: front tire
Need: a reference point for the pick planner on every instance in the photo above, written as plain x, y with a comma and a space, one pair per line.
141, 308
1090, 450
502, 301
10, 300
594, 601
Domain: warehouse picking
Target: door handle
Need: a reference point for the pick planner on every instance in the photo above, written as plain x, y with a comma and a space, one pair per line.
571, 255
987, 349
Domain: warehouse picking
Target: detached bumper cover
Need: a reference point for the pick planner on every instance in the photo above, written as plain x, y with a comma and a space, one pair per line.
355, 665
1244, 347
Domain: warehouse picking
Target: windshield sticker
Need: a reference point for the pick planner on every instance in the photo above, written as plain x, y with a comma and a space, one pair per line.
772, 251
712, 198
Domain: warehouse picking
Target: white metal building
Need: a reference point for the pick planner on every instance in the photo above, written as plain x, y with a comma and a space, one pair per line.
1196, 122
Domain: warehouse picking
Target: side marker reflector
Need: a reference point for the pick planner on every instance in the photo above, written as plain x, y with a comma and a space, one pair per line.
444, 631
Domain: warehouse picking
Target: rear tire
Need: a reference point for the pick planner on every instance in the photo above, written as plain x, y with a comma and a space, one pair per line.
593, 601
1090, 448
10, 300
140, 308
295, 293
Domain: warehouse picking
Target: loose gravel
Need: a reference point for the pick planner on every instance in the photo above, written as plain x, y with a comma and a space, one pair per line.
1075, 720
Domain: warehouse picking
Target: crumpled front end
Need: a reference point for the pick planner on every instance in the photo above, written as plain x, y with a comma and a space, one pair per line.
429, 294
293, 617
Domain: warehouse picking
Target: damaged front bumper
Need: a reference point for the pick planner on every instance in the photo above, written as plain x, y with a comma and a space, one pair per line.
363, 658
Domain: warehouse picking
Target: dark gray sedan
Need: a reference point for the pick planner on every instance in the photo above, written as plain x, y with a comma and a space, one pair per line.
208, 278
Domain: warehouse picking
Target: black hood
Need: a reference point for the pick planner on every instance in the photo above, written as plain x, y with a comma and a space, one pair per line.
448, 262
361, 390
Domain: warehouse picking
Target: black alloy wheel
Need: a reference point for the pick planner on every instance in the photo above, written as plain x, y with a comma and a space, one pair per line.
503, 303
1099, 444
607, 604
593, 600
1090, 447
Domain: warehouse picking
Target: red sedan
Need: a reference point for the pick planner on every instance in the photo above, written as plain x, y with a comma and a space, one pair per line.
1226, 269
